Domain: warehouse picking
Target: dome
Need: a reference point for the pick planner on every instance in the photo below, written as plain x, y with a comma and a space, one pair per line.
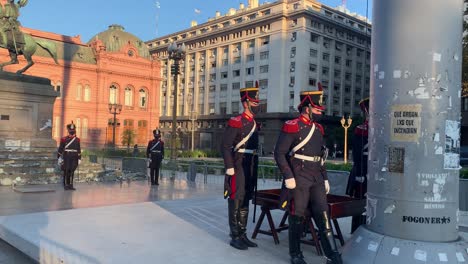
115, 38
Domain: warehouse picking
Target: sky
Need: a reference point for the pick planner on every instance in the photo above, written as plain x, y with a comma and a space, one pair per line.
142, 18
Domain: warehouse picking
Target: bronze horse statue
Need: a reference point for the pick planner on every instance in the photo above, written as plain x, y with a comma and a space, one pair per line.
27, 50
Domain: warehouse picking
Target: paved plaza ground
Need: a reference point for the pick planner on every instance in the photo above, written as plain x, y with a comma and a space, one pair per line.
176, 222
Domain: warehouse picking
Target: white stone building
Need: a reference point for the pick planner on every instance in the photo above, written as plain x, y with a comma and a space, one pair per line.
288, 46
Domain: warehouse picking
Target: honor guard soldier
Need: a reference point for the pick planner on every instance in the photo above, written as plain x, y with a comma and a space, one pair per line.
239, 149
155, 154
300, 154
357, 181
69, 156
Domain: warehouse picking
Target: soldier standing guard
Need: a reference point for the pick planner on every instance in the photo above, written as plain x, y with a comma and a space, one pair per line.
69, 156
239, 149
300, 155
357, 181
155, 154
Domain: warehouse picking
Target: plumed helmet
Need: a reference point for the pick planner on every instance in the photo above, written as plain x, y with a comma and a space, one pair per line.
250, 94
364, 104
71, 126
157, 132
312, 98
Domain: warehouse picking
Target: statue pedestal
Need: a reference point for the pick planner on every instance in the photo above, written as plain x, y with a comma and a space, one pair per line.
27, 149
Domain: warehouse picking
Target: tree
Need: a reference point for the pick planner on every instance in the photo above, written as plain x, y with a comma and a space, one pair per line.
128, 137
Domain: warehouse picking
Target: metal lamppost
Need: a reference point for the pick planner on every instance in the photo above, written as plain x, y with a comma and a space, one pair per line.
193, 118
346, 125
176, 53
114, 109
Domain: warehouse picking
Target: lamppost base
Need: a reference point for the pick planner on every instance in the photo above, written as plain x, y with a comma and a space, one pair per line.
368, 247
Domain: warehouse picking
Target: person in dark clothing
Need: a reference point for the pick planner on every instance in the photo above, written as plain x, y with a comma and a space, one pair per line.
239, 149
155, 154
357, 181
300, 154
69, 156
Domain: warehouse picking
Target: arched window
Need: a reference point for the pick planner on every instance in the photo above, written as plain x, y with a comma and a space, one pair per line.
112, 94
79, 92
128, 96
87, 93
143, 98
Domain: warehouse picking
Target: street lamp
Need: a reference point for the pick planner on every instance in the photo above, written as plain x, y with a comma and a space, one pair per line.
114, 109
176, 53
346, 125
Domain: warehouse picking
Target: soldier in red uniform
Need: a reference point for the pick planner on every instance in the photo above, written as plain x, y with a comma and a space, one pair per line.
155, 154
300, 155
69, 156
357, 181
239, 149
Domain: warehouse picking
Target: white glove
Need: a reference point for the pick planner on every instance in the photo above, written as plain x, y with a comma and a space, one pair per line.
290, 183
230, 171
79, 162
60, 161
327, 186
149, 160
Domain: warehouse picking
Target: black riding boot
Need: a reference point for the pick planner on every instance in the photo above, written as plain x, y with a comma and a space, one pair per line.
244, 216
295, 231
65, 184
234, 226
70, 185
327, 239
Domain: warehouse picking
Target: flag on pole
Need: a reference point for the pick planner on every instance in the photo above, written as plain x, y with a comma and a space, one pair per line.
197, 11
158, 5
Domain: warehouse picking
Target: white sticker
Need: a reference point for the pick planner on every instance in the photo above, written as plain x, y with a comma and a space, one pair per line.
397, 74
376, 67
420, 255
460, 257
381, 75
358, 239
373, 246
395, 251
389, 209
436, 137
443, 257
452, 145
437, 56
438, 150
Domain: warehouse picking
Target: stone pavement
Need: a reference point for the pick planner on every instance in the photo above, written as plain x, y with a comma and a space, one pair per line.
176, 222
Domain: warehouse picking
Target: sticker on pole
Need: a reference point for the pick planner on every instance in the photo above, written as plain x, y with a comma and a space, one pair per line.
406, 123
452, 145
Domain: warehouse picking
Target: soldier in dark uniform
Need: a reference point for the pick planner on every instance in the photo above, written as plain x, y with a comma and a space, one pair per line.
357, 181
155, 154
239, 149
300, 154
69, 156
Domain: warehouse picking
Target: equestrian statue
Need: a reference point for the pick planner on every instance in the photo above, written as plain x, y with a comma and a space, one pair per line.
16, 41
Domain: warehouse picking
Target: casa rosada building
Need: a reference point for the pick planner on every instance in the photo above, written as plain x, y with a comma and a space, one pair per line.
114, 67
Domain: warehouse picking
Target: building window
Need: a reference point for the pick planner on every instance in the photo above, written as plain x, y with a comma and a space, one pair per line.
337, 73
249, 71
79, 92
348, 63
128, 99
337, 60
250, 57
293, 36
314, 38
264, 55
264, 69
293, 52
237, 59
263, 84
312, 82
236, 86
325, 70
223, 87
58, 88
251, 43
224, 75
326, 57
143, 98
265, 40
312, 67
222, 108
113, 94
249, 84
87, 93
326, 43
212, 77
313, 53
292, 66
236, 73
225, 62
235, 107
